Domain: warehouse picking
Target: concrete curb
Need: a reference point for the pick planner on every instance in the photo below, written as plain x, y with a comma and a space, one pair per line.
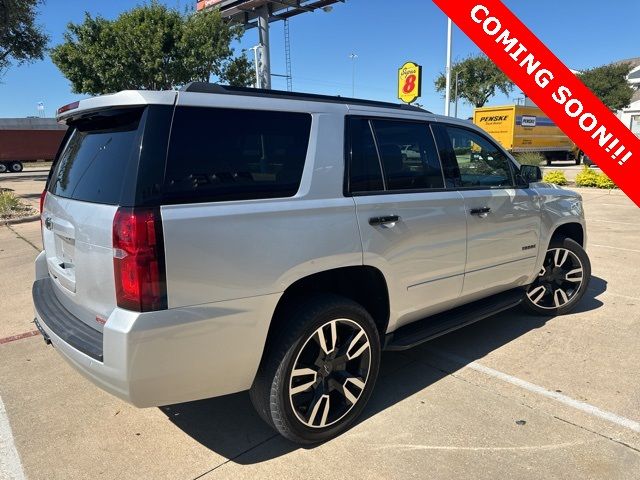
15, 221
28, 176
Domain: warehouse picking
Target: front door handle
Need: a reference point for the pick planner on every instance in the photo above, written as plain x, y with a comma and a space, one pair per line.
481, 212
387, 220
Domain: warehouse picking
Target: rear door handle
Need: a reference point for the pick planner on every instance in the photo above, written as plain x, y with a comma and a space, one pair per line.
384, 220
481, 212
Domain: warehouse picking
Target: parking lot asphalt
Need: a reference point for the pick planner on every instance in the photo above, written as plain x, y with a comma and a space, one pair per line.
514, 396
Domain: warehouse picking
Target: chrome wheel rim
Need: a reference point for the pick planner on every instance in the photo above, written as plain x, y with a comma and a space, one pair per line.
330, 373
558, 281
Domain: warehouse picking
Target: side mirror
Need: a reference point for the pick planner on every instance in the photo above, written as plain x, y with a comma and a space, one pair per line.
531, 173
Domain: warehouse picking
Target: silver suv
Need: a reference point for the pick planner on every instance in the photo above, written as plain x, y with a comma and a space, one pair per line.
213, 240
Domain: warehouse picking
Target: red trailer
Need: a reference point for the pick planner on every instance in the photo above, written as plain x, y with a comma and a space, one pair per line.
28, 140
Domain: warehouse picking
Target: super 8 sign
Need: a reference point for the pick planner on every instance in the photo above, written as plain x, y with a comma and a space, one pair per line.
409, 82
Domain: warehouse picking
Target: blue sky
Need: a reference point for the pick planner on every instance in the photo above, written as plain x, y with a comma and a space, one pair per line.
384, 34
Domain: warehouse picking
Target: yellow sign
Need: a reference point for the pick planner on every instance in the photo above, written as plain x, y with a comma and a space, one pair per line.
409, 82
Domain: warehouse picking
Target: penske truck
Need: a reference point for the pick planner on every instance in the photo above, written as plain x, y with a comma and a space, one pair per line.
520, 128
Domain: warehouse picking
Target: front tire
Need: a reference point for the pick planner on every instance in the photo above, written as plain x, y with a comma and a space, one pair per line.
318, 372
561, 282
578, 158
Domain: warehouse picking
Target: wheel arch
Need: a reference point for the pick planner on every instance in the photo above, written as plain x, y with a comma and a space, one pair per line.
572, 230
363, 284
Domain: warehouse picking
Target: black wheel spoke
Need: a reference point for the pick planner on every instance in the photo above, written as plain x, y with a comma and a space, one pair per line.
350, 387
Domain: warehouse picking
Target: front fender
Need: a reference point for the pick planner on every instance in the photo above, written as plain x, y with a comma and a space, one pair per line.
560, 207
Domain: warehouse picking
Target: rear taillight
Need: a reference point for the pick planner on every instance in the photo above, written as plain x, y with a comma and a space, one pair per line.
43, 195
138, 259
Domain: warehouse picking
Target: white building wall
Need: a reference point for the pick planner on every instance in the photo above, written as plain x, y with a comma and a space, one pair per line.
631, 116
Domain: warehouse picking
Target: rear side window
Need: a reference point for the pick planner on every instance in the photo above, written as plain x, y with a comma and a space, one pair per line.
391, 155
409, 156
97, 155
220, 154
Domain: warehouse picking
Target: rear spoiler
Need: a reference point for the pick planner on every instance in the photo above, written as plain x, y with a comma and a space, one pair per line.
127, 98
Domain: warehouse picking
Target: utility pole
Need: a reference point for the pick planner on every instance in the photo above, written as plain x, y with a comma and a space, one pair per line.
353, 58
447, 95
263, 39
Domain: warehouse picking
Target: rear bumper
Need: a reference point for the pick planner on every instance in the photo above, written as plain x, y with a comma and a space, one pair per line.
165, 357
62, 323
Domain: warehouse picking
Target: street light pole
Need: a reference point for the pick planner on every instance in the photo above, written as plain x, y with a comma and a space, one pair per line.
447, 95
353, 58
257, 54
455, 111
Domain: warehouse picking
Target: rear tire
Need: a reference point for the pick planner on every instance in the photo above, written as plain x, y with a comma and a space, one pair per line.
562, 282
3, 167
319, 370
16, 167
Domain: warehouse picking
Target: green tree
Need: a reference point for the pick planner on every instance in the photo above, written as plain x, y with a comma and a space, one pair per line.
609, 83
150, 47
21, 39
478, 80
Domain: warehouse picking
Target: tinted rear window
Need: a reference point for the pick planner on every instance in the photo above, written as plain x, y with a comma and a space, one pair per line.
99, 150
220, 154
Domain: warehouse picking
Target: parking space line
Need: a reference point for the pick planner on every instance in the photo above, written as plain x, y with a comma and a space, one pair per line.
20, 336
585, 200
606, 292
537, 448
619, 205
613, 248
10, 464
531, 387
613, 221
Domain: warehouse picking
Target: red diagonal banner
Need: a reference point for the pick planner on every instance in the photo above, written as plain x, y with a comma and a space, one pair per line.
552, 86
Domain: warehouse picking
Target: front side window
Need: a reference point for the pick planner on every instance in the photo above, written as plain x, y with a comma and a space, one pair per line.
218, 154
479, 161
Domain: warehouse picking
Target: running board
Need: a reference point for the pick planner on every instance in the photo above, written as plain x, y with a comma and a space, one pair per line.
432, 327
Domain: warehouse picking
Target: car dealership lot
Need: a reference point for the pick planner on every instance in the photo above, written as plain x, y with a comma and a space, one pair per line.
514, 396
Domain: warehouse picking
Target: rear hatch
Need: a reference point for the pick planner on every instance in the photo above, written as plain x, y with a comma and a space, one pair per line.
96, 172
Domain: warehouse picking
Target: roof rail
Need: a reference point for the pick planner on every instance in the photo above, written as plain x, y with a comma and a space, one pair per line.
204, 87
